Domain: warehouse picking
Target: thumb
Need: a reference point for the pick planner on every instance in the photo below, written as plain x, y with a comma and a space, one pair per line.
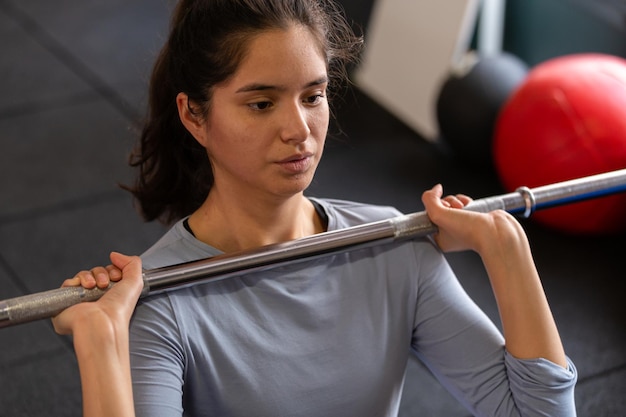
437, 190
130, 267
432, 199
125, 263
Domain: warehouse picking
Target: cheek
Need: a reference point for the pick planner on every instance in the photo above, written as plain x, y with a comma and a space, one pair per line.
319, 123
237, 148
226, 132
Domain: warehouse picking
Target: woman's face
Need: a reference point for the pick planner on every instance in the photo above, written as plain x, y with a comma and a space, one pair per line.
267, 124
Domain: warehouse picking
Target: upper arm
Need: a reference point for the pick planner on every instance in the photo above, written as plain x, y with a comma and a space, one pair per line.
465, 351
457, 341
157, 361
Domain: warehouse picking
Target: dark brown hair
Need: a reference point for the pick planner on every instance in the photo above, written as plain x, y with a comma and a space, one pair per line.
207, 41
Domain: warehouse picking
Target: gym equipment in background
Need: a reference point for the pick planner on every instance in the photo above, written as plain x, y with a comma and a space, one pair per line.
469, 103
567, 120
410, 47
476, 88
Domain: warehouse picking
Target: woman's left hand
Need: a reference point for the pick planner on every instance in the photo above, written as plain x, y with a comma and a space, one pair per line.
501, 242
467, 230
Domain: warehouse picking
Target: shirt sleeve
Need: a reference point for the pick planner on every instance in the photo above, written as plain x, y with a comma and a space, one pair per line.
465, 351
542, 388
157, 360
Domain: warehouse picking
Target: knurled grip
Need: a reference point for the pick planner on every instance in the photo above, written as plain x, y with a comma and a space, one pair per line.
44, 304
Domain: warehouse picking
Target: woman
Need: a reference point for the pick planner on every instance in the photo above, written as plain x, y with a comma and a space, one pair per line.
238, 118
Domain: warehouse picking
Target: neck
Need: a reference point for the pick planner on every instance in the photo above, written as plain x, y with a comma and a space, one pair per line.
233, 226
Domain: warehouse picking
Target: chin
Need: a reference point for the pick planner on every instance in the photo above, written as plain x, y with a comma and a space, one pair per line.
295, 186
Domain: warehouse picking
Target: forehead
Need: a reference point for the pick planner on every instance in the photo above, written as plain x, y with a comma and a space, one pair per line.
282, 55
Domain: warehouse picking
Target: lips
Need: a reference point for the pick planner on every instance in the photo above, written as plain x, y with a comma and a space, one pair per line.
297, 163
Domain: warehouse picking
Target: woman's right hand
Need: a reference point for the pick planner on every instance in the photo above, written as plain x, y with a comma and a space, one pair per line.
115, 306
100, 276
100, 331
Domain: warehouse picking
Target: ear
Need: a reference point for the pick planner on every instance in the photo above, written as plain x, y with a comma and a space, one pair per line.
193, 123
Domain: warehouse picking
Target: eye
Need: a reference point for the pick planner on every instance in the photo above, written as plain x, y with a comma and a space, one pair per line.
314, 99
260, 105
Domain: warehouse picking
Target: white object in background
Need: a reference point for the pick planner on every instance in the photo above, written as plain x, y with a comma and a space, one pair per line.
410, 47
491, 27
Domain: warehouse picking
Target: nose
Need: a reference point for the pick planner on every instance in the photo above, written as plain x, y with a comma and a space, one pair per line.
295, 124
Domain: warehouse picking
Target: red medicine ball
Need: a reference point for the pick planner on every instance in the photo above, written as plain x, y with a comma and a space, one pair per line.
567, 120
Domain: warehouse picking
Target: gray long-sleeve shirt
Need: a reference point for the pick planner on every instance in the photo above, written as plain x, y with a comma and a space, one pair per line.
327, 337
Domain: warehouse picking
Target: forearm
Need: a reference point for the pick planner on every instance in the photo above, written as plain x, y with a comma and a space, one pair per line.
528, 324
104, 365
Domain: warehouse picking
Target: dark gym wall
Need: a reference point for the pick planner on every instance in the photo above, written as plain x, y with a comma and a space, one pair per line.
358, 12
536, 30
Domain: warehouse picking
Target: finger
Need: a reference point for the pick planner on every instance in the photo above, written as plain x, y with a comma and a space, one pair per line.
71, 282
433, 194
458, 200
115, 274
437, 190
132, 281
454, 202
453, 224
432, 198
86, 279
464, 199
101, 276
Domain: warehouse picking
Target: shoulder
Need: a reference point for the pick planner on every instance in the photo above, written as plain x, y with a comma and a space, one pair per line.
426, 256
176, 246
344, 213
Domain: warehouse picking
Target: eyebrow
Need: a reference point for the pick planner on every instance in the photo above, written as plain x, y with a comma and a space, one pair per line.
263, 87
